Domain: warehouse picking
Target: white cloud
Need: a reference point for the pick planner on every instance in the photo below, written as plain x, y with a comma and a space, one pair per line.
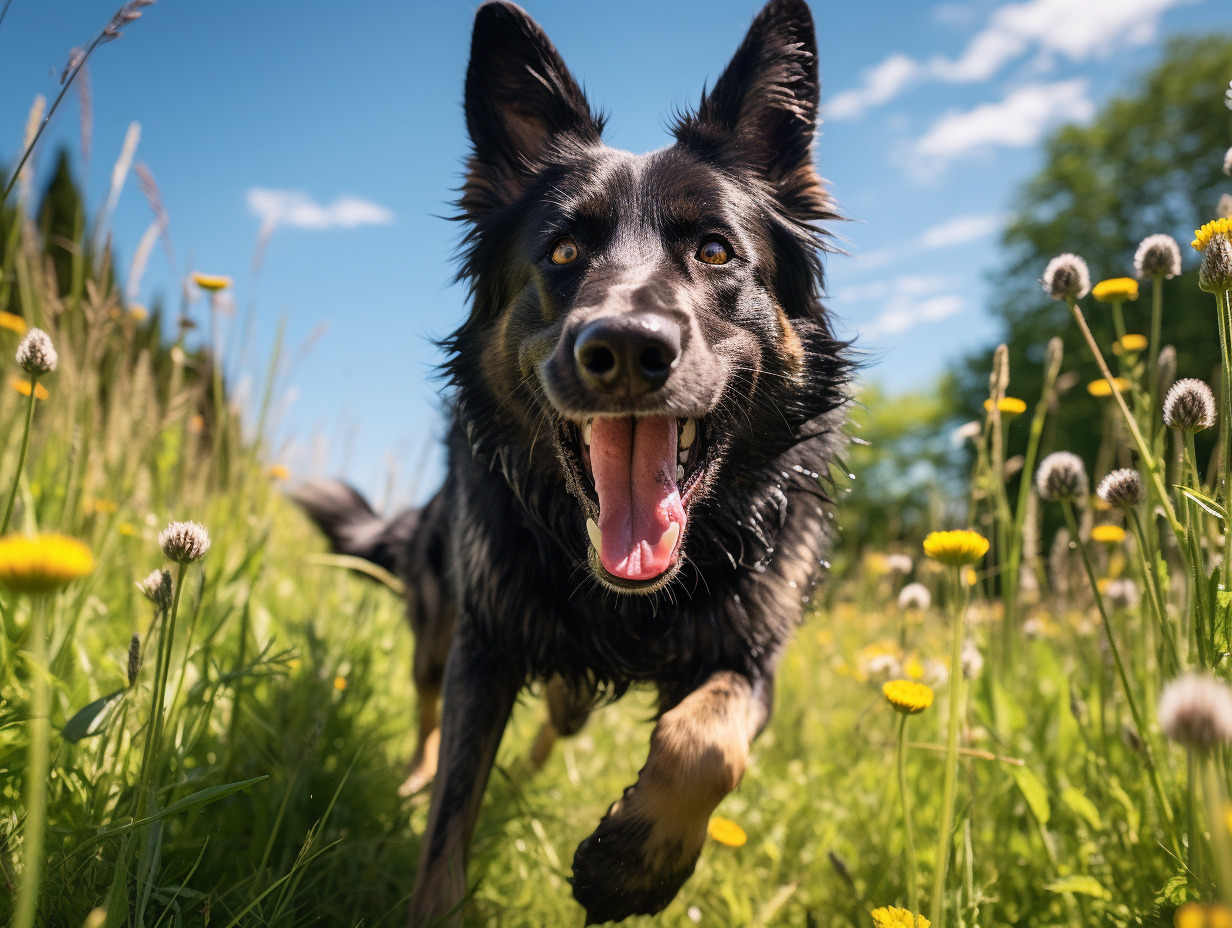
902, 314
1080, 30
1015, 122
295, 208
960, 230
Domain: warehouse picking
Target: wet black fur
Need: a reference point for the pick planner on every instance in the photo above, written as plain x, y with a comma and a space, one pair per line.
503, 545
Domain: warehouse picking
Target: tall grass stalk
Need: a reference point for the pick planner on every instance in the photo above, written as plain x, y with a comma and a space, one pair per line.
21, 455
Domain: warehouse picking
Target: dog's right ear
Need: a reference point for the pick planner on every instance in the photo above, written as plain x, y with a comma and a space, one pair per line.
520, 100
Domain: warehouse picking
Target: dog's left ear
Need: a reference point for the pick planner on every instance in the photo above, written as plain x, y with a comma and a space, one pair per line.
763, 109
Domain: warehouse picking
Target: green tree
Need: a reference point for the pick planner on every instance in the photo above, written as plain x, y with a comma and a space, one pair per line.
1150, 161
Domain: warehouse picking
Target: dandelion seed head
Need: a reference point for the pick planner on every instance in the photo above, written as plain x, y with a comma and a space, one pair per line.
914, 596
183, 542
1067, 278
1061, 475
1196, 710
1215, 271
968, 431
1122, 593
972, 659
157, 588
36, 354
1189, 406
1157, 256
1121, 489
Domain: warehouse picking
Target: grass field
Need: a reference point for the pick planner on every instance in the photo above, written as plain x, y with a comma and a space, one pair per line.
265, 792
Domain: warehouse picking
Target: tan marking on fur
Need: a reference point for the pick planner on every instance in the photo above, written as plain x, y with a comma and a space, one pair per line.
793, 348
698, 753
541, 750
427, 753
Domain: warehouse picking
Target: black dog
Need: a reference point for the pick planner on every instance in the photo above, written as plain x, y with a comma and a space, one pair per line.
644, 396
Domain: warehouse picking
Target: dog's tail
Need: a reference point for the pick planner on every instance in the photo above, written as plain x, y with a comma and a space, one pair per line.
352, 527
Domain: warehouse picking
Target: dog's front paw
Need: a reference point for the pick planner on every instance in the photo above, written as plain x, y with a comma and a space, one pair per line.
633, 865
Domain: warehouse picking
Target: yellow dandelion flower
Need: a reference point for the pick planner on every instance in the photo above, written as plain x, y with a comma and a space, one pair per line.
105, 506
913, 668
1202, 237
907, 696
23, 387
1115, 290
340, 684
280, 472
138, 313
13, 322
956, 548
1190, 915
42, 563
1129, 344
1101, 387
211, 282
1218, 915
1108, 534
1009, 405
725, 831
126, 528
294, 664
891, 916
1102, 583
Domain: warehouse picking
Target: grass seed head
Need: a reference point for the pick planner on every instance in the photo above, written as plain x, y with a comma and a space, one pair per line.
1195, 710
1061, 475
1189, 406
184, 542
1157, 256
134, 658
1121, 489
1215, 272
157, 588
1067, 278
36, 354
914, 596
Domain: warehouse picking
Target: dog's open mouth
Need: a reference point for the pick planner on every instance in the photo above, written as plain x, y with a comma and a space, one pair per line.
642, 471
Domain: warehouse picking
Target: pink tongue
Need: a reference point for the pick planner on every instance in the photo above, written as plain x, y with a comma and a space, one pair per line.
634, 464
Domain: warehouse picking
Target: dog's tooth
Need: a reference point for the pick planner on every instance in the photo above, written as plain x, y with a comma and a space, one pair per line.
596, 537
688, 433
683, 457
586, 427
670, 537
679, 473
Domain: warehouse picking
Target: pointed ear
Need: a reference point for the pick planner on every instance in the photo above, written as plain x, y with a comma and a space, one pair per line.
520, 100
762, 112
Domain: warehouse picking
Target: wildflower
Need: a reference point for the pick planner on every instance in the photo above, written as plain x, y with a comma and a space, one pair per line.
956, 548
893, 917
1202, 236
968, 431
1157, 256
211, 283
1115, 290
138, 313
1061, 475
126, 528
1121, 489
36, 354
1122, 593
1108, 534
1129, 344
1009, 405
183, 542
1218, 915
1067, 278
1224, 207
340, 684
914, 596
727, 832
1102, 388
280, 472
196, 424
972, 659
1190, 915
134, 658
13, 322
1189, 406
906, 696
157, 588
913, 668
105, 506
1196, 710
24, 387
1215, 271
42, 563
881, 660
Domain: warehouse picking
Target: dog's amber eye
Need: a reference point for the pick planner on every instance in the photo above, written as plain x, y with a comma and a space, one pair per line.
565, 251
713, 251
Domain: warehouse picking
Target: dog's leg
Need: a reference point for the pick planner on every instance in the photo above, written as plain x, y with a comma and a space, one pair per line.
478, 696
432, 620
568, 711
648, 843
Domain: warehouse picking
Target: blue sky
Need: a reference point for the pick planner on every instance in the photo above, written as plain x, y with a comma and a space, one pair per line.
339, 127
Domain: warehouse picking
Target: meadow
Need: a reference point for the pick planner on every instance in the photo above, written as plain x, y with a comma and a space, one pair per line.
223, 746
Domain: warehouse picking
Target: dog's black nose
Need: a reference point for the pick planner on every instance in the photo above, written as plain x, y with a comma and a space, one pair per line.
630, 351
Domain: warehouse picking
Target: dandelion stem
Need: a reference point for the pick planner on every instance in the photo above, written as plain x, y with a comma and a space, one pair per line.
1152, 374
1223, 309
913, 877
21, 455
1156, 596
1148, 459
937, 904
1153, 772
1214, 800
1118, 319
36, 769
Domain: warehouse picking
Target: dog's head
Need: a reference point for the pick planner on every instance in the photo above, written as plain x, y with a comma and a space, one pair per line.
657, 315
